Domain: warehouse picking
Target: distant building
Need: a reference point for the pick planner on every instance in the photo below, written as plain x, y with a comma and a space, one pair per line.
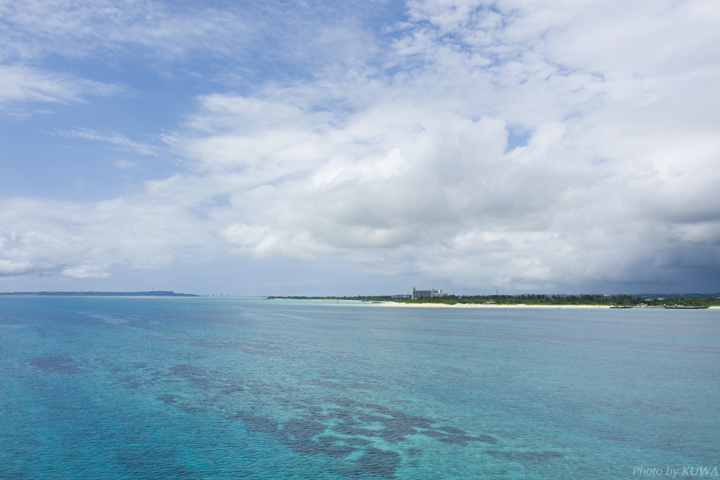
417, 294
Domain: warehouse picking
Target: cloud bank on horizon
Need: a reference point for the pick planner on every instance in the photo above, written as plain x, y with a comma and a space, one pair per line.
527, 146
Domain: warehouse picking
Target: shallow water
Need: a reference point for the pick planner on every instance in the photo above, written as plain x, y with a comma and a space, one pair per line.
120, 388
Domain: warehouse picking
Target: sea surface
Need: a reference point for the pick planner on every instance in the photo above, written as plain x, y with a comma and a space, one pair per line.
208, 388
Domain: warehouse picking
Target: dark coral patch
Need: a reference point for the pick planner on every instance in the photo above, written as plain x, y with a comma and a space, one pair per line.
380, 463
256, 423
346, 429
357, 441
328, 445
356, 418
487, 439
297, 429
195, 376
349, 426
55, 364
456, 439
325, 445
232, 387
452, 430
298, 435
396, 430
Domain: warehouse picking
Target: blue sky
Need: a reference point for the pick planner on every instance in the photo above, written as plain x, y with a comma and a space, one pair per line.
360, 148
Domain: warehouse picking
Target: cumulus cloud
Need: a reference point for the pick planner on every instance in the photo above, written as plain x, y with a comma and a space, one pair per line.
85, 271
83, 240
606, 189
8, 267
403, 163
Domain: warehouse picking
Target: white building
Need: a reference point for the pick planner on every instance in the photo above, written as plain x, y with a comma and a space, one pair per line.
416, 294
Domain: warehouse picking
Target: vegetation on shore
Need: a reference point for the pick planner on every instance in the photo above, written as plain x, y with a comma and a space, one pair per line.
532, 299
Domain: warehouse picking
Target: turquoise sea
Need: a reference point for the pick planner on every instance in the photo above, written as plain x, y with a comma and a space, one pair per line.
203, 388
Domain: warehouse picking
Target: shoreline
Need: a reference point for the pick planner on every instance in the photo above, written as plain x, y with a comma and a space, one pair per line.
517, 305
467, 305
481, 305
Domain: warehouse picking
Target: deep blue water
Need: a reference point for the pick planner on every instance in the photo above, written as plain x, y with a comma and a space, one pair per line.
198, 388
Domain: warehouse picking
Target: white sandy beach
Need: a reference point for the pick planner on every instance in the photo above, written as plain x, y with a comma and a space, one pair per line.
482, 305
465, 305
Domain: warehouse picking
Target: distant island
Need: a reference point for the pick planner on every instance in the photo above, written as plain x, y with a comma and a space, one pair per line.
154, 293
640, 300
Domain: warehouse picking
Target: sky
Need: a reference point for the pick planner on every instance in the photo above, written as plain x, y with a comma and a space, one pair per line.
360, 148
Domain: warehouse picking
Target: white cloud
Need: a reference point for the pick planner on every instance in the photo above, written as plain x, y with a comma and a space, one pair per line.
8, 267
20, 84
82, 28
85, 240
113, 138
621, 158
113, 31
85, 271
406, 168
